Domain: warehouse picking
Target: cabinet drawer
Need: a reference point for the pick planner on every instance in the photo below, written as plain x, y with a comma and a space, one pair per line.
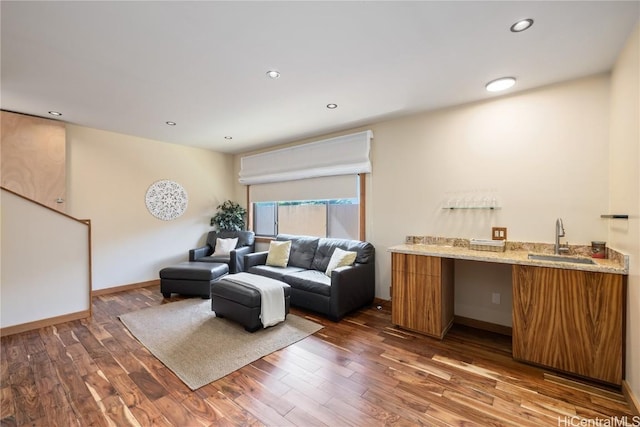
416, 264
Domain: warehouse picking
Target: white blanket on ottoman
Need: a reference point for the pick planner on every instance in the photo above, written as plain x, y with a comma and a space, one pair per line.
272, 310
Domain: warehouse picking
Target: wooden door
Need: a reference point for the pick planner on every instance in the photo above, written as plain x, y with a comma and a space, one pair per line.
33, 158
569, 320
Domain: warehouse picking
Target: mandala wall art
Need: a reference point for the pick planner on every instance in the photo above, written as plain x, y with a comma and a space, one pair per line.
166, 200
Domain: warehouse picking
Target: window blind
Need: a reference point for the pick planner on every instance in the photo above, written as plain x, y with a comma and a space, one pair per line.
322, 188
342, 155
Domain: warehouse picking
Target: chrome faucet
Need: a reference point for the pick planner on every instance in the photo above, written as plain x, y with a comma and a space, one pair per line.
558, 248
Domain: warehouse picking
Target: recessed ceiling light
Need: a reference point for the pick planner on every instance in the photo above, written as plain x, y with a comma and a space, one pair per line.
500, 84
332, 106
273, 74
171, 123
521, 25
228, 137
55, 113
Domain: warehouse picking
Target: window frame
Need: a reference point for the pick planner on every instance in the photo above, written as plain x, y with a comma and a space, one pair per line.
361, 208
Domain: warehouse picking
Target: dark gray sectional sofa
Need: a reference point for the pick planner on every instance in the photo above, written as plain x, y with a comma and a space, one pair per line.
348, 288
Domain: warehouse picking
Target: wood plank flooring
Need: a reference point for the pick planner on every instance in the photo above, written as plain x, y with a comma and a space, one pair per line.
359, 372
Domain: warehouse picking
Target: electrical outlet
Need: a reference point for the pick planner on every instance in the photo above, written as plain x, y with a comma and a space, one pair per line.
499, 233
495, 298
409, 239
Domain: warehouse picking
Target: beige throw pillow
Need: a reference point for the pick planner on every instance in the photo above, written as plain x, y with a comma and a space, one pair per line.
224, 246
278, 253
340, 258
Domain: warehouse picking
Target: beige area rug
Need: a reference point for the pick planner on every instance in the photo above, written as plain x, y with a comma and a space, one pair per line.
199, 347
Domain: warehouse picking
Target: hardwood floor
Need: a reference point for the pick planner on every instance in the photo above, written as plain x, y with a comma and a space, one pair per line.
359, 372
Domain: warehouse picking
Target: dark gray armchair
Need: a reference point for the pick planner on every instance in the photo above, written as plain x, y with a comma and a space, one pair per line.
246, 245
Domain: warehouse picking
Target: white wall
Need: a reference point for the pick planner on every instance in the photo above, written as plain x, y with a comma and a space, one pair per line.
543, 153
624, 173
108, 177
60, 247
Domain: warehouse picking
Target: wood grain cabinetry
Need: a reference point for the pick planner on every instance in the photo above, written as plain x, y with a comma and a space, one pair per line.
33, 158
570, 320
422, 293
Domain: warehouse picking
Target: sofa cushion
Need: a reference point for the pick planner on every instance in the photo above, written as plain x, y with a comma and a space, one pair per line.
326, 247
303, 248
309, 280
278, 255
277, 273
340, 258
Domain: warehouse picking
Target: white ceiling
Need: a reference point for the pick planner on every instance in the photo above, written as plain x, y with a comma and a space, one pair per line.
129, 67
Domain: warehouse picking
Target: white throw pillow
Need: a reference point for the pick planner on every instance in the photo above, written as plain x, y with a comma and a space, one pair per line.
278, 255
340, 258
225, 246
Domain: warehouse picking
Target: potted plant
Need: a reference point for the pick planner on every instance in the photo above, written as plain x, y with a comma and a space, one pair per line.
230, 216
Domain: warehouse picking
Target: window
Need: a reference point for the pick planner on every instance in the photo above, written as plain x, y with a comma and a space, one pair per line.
323, 207
337, 218
315, 188
264, 218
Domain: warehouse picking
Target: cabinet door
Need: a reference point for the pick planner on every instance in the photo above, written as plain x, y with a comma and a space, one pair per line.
417, 293
569, 320
592, 322
536, 315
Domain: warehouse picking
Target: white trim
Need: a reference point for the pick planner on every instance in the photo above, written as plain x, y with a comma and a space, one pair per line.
342, 155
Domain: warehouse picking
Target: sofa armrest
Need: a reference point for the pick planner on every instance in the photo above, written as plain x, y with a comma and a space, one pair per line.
351, 287
200, 252
236, 258
256, 258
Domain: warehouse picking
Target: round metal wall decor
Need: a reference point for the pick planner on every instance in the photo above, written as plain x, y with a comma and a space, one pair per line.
166, 200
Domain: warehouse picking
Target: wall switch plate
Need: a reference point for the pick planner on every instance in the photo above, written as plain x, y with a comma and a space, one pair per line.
495, 298
499, 233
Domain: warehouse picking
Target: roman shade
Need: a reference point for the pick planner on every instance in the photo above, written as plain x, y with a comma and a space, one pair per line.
342, 155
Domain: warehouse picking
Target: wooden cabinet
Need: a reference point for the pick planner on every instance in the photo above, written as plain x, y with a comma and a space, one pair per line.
570, 320
422, 293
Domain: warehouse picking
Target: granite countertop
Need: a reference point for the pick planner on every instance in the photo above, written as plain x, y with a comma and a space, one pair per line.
515, 253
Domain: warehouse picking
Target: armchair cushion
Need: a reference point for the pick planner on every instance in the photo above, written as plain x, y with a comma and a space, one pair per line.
226, 259
244, 244
245, 238
224, 246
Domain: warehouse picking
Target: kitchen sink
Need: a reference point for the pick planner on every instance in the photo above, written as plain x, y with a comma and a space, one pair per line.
561, 258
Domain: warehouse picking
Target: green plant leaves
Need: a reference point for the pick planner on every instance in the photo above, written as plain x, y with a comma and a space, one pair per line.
230, 216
